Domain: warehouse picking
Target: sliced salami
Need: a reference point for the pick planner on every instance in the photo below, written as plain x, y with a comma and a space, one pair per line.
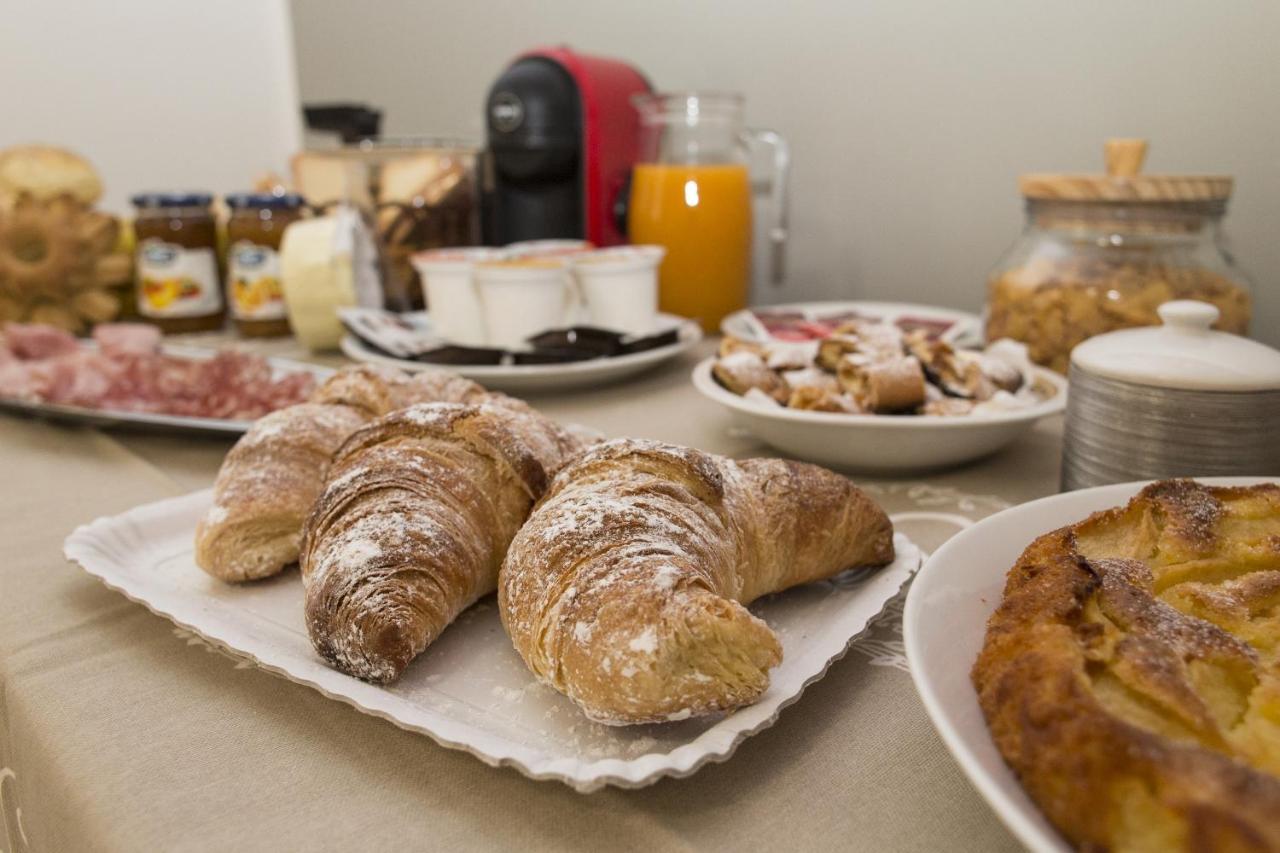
129, 373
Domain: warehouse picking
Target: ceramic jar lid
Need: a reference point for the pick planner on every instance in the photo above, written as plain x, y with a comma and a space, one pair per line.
1184, 353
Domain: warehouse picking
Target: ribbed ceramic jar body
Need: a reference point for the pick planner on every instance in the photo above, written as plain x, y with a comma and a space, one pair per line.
1120, 431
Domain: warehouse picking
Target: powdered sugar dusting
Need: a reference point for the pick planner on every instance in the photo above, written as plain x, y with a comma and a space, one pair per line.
619, 591
645, 642
412, 525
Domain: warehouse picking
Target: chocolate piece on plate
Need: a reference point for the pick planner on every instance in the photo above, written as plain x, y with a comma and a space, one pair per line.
589, 339
453, 354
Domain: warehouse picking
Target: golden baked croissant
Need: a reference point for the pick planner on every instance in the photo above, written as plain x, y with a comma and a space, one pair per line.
411, 528
274, 473
625, 588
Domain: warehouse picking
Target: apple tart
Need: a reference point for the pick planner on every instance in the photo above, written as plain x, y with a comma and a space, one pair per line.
1131, 674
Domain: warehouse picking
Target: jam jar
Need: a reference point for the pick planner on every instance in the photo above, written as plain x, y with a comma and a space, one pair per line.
1103, 252
254, 231
179, 286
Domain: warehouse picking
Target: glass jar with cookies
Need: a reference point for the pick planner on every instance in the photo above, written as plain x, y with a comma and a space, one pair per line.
1103, 252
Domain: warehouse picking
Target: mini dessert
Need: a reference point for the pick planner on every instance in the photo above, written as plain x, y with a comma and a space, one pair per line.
744, 371
873, 367
814, 398
894, 384
1129, 676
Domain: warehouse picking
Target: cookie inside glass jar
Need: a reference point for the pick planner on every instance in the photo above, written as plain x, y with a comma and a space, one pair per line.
1103, 252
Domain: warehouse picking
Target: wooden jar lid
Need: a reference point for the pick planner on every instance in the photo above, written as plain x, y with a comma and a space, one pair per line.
1122, 182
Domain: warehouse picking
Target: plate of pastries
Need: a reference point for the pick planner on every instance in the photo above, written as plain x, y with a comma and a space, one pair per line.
876, 394
601, 612
1104, 664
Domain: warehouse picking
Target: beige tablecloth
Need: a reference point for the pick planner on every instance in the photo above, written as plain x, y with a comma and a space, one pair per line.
120, 732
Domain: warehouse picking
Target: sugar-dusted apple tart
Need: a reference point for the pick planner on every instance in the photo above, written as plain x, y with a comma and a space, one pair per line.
1131, 674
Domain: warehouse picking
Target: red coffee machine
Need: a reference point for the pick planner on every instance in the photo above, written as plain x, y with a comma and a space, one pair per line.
562, 136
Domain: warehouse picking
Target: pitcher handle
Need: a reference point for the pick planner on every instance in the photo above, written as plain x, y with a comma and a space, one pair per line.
779, 200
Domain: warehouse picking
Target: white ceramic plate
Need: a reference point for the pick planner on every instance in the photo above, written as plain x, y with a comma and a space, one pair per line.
945, 622
470, 690
966, 329
536, 378
880, 443
150, 422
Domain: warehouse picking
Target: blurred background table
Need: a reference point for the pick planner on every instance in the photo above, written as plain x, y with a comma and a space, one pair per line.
119, 731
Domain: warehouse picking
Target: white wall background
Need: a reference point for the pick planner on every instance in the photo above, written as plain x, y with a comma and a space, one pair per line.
157, 94
909, 119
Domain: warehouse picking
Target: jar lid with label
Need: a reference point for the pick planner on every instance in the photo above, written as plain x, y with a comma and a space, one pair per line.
1185, 352
179, 199
272, 200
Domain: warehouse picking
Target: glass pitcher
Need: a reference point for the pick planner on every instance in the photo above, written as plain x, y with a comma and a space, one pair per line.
691, 192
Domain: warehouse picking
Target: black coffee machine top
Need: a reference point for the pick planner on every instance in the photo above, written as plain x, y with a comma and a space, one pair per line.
562, 136
534, 121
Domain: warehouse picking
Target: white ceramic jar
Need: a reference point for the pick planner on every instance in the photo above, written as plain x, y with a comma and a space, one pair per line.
1177, 400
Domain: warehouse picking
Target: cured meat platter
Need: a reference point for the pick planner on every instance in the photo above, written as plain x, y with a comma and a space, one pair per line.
119, 381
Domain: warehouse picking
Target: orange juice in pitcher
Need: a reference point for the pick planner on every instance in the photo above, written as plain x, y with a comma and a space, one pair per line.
691, 193
702, 215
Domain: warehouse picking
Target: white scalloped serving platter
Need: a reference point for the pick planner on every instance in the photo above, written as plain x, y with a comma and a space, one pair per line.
470, 690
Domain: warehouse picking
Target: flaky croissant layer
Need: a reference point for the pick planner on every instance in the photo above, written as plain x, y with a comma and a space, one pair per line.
273, 475
415, 517
626, 587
